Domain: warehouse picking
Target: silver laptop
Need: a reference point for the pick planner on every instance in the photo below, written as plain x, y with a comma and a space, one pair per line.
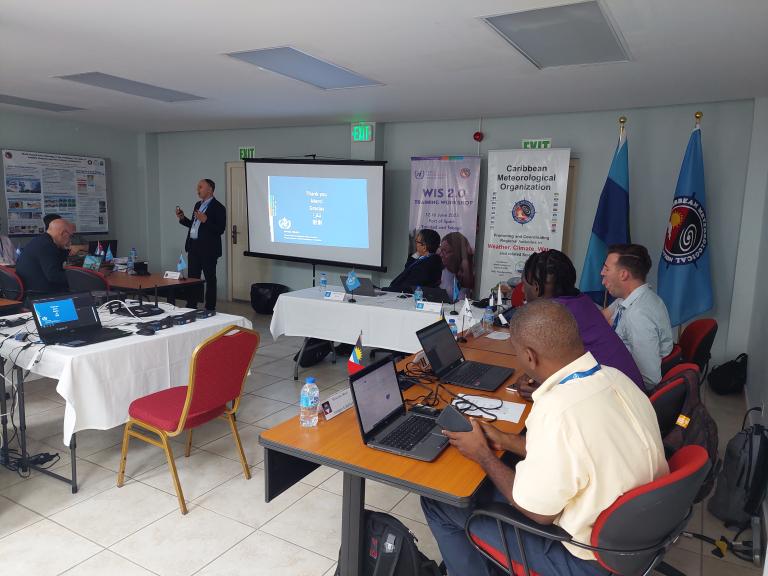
365, 289
384, 422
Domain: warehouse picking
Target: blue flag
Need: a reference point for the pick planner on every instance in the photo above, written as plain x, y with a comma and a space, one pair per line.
182, 264
353, 282
108, 257
611, 224
685, 283
456, 291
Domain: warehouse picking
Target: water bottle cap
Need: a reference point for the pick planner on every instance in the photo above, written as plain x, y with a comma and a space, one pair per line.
451, 321
310, 380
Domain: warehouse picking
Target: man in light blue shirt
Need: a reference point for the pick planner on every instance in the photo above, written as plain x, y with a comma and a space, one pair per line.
638, 315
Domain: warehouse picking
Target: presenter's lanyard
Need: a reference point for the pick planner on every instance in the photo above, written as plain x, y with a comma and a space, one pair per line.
584, 374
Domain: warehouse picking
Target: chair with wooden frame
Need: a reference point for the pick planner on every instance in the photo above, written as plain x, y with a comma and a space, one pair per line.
217, 373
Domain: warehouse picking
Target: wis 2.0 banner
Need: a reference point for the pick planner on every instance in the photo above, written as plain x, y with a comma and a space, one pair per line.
444, 192
524, 210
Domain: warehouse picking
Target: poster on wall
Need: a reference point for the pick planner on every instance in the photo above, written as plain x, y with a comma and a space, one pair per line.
444, 192
524, 211
37, 183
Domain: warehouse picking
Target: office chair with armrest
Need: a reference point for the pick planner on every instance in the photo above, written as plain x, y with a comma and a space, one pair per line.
696, 342
217, 373
629, 538
11, 285
84, 280
669, 396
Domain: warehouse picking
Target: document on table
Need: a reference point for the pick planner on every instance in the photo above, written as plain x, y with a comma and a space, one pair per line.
509, 411
498, 336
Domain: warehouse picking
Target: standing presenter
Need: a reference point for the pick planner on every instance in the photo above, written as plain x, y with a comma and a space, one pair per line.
203, 244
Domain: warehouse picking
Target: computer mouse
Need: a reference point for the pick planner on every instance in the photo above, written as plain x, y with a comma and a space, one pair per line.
146, 331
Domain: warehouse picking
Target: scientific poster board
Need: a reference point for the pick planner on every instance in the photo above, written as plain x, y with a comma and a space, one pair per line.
525, 209
38, 183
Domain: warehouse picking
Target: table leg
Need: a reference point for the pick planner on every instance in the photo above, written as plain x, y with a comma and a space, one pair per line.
352, 525
73, 457
171, 296
22, 419
281, 471
4, 417
296, 364
333, 354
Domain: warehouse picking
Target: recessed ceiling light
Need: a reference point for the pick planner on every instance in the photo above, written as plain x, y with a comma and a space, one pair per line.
39, 104
562, 35
118, 84
303, 67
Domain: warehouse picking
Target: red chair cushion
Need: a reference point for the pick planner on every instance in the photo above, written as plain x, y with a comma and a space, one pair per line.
163, 410
499, 556
679, 369
694, 335
518, 296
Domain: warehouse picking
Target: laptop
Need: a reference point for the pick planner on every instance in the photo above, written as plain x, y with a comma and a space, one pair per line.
92, 262
71, 320
449, 364
435, 295
384, 423
365, 289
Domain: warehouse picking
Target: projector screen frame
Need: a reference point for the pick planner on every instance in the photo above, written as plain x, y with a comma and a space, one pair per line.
313, 160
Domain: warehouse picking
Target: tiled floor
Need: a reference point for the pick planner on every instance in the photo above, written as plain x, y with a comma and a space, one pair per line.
138, 530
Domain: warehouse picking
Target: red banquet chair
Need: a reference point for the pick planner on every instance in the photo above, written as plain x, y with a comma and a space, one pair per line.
669, 396
217, 372
85, 280
630, 537
696, 342
11, 286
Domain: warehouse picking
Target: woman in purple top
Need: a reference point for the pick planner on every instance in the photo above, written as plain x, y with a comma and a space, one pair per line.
551, 274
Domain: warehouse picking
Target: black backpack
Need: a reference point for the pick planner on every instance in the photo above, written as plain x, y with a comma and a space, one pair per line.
729, 378
314, 351
741, 484
390, 549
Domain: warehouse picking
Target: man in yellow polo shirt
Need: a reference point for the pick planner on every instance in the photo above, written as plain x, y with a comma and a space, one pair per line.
592, 436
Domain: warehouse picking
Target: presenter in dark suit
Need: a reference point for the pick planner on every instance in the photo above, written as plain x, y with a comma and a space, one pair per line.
203, 245
40, 264
424, 268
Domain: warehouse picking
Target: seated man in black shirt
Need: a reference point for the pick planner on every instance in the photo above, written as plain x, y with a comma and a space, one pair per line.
40, 266
424, 268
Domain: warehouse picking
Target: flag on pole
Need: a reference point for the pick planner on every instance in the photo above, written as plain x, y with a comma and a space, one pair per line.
685, 282
99, 249
466, 310
498, 295
611, 224
456, 291
355, 362
353, 282
108, 257
181, 265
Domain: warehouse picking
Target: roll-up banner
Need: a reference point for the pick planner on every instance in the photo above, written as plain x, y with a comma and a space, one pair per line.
444, 193
524, 210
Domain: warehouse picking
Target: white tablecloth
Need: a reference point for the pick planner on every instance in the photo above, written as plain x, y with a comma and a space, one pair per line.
386, 321
100, 381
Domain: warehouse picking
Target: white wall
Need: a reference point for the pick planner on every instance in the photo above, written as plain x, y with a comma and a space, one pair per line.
127, 209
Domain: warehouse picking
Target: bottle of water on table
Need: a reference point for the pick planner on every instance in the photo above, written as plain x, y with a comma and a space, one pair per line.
323, 282
488, 318
309, 400
131, 259
418, 295
454, 328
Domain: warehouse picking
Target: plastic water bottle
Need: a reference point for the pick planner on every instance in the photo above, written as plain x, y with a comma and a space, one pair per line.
488, 318
418, 295
310, 398
323, 282
131, 258
454, 328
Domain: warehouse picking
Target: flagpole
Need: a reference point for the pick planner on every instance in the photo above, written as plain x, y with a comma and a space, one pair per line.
698, 115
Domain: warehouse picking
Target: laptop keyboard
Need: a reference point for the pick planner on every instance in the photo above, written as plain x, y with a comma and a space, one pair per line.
409, 433
468, 373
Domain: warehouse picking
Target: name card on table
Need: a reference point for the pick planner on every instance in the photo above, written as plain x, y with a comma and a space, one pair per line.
477, 330
337, 403
337, 296
172, 275
425, 306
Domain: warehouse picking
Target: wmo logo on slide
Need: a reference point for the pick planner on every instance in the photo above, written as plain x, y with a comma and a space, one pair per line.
523, 211
686, 237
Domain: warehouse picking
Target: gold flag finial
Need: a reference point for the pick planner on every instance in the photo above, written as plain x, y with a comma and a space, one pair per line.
698, 116
622, 121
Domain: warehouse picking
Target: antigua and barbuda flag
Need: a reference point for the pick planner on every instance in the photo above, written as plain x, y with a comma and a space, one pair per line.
355, 362
685, 282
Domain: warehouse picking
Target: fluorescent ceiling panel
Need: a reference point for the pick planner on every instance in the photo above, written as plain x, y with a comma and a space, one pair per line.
38, 104
132, 87
561, 35
303, 67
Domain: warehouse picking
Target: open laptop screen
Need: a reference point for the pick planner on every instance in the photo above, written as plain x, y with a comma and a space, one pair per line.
440, 347
64, 313
92, 262
377, 396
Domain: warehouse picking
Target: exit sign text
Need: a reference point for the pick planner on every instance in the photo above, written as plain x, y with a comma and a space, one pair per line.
362, 132
247, 152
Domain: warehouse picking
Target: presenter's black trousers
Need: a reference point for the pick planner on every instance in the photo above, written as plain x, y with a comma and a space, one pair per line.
206, 265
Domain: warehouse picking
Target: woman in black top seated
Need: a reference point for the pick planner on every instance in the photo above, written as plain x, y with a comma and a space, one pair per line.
423, 268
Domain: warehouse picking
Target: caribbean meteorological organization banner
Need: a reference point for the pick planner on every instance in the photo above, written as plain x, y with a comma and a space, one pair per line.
524, 209
444, 192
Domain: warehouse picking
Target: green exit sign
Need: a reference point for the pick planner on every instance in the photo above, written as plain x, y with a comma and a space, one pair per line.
247, 152
362, 132
537, 143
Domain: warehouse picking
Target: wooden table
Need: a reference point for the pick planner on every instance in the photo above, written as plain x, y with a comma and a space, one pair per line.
488, 344
147, 284
291, 452
9, 306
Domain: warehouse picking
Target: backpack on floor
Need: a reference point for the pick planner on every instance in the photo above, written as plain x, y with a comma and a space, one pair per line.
314, 351
389, 549
741, 484
729, 378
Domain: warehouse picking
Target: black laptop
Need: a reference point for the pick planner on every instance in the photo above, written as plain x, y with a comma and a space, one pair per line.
366, 287
384, 422
449, 364
71, 320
